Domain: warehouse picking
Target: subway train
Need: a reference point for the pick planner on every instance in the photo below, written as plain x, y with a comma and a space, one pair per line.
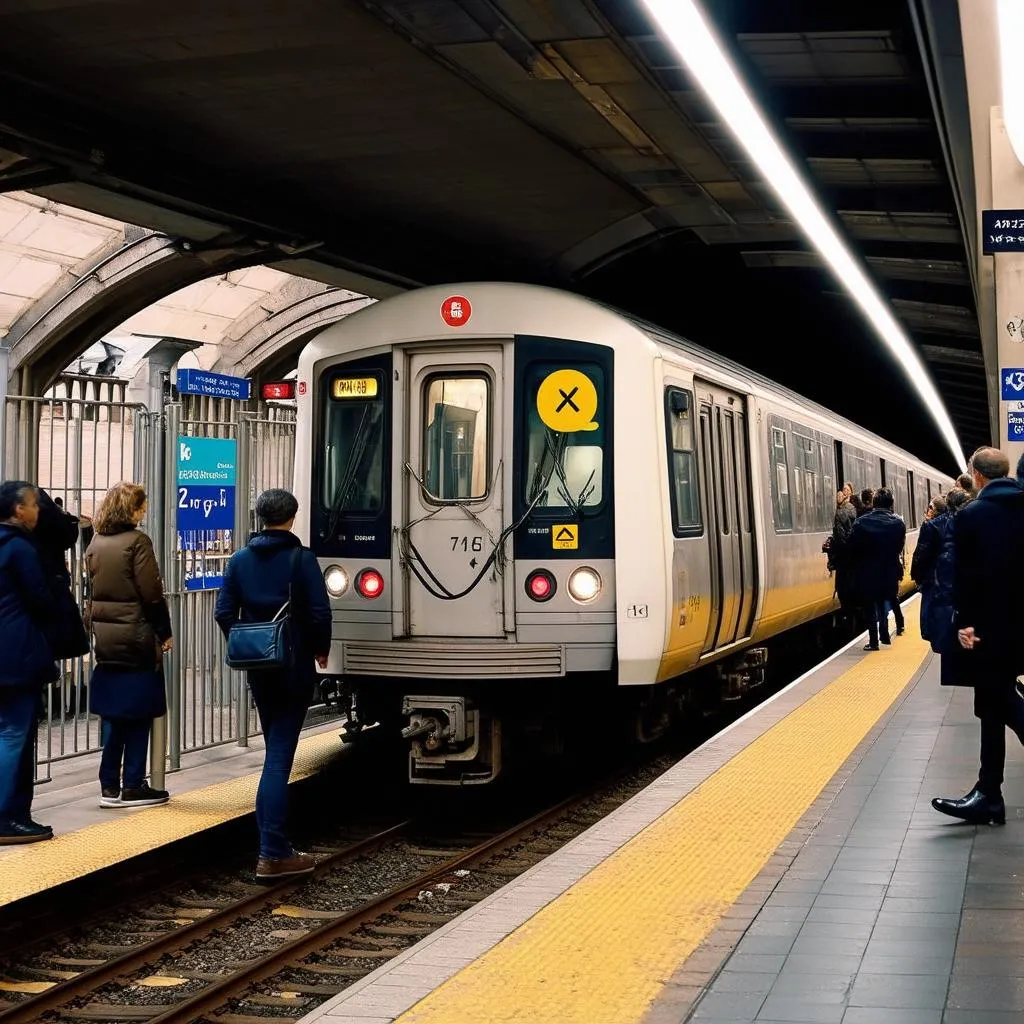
531, 508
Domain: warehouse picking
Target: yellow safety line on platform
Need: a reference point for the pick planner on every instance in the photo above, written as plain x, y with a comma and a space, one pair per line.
28, 870
601, 952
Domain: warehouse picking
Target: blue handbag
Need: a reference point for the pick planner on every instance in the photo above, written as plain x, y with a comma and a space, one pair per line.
265, 646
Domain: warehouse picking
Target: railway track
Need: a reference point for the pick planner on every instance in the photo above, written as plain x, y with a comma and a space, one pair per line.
248, 953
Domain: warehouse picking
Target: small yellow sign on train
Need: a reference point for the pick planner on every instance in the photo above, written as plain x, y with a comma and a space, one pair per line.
354, 387
567, 401
565, 538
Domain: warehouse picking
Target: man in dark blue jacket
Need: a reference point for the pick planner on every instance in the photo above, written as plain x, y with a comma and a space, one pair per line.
988, 537
256, 586
26, 604
874, 552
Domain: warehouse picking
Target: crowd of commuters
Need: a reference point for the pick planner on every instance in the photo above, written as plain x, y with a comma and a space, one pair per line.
127, 627
970, 542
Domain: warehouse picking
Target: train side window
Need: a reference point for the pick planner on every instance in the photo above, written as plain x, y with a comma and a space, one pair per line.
805, 482
782, 504
829, 487
682, 462
456, 436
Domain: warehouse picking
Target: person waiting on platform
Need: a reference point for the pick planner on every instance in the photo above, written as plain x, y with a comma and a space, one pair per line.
26, 606
131, 626
875, 549
926, 553
867, 496
988, 542
260, 579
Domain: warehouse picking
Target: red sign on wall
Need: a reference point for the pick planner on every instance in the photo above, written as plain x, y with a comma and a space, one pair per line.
456, 310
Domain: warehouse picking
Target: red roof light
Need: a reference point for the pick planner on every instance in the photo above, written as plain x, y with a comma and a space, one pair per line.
279, 390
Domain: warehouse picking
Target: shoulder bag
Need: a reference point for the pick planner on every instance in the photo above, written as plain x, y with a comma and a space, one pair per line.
265, 646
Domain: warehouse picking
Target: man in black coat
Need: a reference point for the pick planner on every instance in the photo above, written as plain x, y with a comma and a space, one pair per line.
874, 553
988, 537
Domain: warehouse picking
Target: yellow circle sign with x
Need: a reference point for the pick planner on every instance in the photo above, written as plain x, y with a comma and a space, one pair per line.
567, 401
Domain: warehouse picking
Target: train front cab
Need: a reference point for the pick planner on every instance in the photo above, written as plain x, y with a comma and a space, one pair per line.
465, 521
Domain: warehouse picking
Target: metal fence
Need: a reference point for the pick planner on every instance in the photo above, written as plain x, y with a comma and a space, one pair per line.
78, 441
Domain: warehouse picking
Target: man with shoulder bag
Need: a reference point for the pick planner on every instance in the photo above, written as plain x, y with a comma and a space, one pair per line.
274, 611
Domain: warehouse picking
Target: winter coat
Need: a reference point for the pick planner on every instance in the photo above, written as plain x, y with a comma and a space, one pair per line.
127, 612
989, 538
256, 586
55, 534
842, 525
875, 552
26, 605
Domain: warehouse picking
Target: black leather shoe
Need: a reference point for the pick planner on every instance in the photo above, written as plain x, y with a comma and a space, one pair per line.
871, 647
14, 833
976, 808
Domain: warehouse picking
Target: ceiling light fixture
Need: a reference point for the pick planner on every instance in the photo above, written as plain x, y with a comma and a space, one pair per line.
686, 28
1010, 18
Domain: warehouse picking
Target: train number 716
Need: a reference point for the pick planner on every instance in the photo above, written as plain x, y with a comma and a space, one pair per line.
467, 543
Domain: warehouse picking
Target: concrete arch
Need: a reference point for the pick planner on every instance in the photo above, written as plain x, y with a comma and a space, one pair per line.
268, 345
80, 309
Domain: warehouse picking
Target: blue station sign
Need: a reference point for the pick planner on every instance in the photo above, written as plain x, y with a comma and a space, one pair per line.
206, 478
1002, 231
1011, 384
215, 385
1015, 426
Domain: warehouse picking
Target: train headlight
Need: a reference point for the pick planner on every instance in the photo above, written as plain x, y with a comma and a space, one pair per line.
584, 585
336, 580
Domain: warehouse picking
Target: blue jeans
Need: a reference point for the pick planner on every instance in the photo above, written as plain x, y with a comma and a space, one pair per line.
125, 740
18, 708
282, 710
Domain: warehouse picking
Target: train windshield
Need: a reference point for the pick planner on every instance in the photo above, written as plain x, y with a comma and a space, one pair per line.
353, 481
564, 467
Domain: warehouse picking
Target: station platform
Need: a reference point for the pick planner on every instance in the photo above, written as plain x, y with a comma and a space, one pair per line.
790, 869
216, 786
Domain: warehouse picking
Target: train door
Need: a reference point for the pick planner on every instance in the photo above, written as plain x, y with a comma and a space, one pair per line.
454, 506
725, 476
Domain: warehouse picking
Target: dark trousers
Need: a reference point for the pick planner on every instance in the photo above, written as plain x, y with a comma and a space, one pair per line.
893, 601
18, 706
878, 622
282, 709
997, 705
125, 742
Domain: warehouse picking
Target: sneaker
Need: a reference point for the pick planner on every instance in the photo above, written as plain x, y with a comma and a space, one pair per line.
144, 796
16, 833
110, 797
284, 867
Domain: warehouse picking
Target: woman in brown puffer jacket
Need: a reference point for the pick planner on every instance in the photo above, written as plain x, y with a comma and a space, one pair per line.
131, 627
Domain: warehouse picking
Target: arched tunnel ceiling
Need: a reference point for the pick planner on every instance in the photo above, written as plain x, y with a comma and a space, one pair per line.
406, 141
47, 251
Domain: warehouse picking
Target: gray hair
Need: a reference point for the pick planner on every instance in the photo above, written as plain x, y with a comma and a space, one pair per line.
276, 506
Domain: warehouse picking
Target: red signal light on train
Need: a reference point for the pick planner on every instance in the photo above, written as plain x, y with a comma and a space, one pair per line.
278, 390
540, 585
370, 584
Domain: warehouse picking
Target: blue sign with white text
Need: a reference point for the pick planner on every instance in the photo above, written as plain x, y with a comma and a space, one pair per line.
216, 385
205, 479
1015, 426
1002, 231
204, 581
1012, 384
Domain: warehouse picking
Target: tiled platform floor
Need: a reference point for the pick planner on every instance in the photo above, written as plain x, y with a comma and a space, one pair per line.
890, 913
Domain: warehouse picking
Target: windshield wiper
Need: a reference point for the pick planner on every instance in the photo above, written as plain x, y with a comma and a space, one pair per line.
367, 423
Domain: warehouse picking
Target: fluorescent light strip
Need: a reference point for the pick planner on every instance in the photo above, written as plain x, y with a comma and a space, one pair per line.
686, 29
1010, 15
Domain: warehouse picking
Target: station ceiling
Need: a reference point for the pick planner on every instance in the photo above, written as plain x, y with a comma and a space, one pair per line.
378, 144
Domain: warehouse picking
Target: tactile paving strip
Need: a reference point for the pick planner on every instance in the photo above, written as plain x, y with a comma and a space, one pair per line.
601, 952
28, 870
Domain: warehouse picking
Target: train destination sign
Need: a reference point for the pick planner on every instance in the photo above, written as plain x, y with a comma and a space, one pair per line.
214, 385
354, 387
1002, 231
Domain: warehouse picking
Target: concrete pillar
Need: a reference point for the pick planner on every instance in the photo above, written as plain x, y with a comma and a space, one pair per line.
1007, 194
